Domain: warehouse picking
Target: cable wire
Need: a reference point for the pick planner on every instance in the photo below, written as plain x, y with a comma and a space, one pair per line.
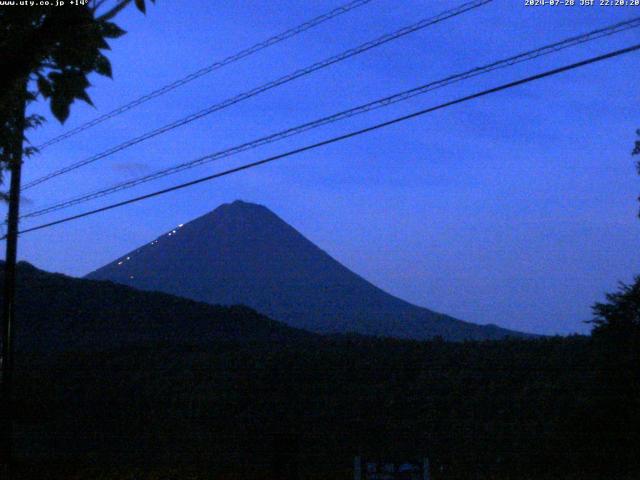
339, 138
268, 86
402, 96
208, 69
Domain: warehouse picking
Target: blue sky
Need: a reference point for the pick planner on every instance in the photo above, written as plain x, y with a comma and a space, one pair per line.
517, 209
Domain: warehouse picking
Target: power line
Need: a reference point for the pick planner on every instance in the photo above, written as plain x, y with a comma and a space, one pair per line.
346, 136
208, 69
268, 86
405, 95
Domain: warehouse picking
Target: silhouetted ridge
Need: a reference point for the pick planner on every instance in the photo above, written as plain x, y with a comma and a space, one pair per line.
56, 312
242, 253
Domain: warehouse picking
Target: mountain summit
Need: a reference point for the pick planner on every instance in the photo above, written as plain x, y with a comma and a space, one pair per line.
242, 253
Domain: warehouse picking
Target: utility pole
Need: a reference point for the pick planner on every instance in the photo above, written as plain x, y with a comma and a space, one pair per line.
13, 157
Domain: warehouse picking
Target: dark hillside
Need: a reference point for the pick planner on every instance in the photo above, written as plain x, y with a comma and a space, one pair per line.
56, 312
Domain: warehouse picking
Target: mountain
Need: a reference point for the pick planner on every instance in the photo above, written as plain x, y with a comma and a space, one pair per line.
58, 313
242, 253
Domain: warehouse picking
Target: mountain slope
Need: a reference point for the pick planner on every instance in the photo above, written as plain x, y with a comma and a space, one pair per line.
56, 313
242, 253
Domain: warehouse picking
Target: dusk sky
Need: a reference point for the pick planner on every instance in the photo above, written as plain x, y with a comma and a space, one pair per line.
518, 208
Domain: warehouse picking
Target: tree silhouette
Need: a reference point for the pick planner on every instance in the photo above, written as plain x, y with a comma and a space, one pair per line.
615, 411
620, 315
49, 51
45, 51
636, 151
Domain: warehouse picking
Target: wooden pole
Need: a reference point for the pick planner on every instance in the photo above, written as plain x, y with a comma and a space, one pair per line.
13, 156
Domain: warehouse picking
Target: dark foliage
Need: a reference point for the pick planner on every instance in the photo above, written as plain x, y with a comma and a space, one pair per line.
620, 315
57, 48
48, 51
636, 151
510, 409
616, 408
250, 403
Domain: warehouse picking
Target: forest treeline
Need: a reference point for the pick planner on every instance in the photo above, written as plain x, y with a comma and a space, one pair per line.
538, 409
114, 383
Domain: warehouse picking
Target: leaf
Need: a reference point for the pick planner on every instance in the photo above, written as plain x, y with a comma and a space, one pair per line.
103, 66
102, 43
33, 121
111, 30
114, 11
60, 108
31, 96
44, 86
74, 85
141, 6
30, 151
85, 97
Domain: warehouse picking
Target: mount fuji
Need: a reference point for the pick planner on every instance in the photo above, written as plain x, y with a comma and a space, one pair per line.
242, 253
